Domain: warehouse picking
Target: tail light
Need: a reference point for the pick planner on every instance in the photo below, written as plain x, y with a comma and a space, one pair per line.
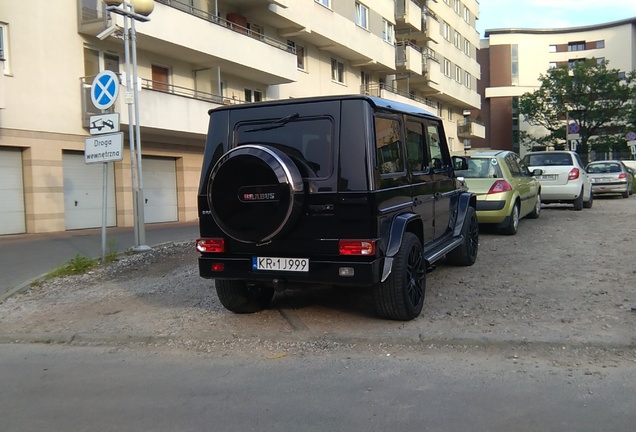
622, 176
574, 174
500, 186
356, 247
211, 245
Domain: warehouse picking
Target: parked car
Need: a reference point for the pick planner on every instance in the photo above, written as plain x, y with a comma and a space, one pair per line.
564, 179
610, 177
506, 190
335, 190
630, 164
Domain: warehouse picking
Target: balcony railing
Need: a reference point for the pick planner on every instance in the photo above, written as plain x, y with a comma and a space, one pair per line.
376, 91
217, 20
470, 128
88, 109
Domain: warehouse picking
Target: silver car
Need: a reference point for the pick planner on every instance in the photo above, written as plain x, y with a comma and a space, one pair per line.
564, 179
610, 177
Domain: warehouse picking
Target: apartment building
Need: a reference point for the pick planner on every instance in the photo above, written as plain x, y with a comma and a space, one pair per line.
512, 59
192, 56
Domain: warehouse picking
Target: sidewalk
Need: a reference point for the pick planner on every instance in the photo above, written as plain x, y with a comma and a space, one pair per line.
24, 257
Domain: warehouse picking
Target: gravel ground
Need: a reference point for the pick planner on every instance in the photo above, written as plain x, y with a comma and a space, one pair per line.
565, 281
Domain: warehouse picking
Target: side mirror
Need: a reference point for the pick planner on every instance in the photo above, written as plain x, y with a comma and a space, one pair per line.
537, 172
460, 163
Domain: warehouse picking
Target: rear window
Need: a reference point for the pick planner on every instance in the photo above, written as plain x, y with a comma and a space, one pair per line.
481, 168
307, 140
603, 168
549, 159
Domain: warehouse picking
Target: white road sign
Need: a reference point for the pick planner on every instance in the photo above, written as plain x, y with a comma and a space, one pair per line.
104, 148
103, 124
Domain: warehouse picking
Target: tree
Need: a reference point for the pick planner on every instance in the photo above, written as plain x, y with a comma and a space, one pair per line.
589, 93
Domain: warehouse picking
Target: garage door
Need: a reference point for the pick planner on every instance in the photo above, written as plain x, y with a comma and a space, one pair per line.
160, 189
83, 189
11, 192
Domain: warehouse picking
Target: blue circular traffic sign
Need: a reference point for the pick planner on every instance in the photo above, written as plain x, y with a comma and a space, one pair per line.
631, 136
105, 89
573, 128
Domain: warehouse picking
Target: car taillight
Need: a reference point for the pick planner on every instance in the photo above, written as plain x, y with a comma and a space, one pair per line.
622, 176
356, 247
500, 186
574, 174
211, 245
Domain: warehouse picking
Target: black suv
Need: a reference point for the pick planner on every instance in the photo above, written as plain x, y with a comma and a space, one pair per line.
340, 190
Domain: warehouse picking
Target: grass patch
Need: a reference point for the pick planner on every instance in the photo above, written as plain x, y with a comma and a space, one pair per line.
76, 265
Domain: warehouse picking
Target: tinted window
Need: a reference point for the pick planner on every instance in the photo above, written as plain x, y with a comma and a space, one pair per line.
415, 142
548, 159
389, 154
481, 167
306, 140
436, 160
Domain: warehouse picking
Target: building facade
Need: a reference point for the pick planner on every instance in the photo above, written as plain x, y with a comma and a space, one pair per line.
513, 59
193, 56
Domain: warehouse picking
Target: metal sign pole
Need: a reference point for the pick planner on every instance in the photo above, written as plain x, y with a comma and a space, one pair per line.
104, 210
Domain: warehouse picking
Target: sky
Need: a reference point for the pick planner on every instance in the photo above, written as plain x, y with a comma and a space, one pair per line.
526, 14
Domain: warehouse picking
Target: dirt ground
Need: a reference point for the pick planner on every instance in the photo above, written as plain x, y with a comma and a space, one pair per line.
566, 279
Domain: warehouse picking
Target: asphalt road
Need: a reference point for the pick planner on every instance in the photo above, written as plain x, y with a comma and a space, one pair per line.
25, 257
56, 388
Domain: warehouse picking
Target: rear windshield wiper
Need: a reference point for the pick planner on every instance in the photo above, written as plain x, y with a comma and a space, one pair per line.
276, 123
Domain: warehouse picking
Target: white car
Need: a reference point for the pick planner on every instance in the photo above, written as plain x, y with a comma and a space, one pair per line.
564, 179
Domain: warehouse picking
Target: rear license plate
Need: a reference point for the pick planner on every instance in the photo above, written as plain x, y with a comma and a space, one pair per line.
280, 264
548, 177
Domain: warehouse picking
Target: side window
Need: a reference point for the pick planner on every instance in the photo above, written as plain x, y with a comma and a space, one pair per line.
515, 170
437, 158
415, 142
524, 169
389, 152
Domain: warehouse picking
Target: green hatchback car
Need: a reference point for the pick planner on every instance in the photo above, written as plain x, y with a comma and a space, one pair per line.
506, 190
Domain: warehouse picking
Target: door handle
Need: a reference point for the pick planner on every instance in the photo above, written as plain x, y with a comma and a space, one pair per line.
75, 203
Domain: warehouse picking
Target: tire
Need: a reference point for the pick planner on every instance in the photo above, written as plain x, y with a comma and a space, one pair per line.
255, 193
588, 204
626, 194
536, 211
513, 222
466, 254
401, 296
578, 203
240, 297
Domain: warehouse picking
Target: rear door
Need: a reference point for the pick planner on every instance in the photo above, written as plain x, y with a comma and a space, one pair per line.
522, 183
440, 170
423, 187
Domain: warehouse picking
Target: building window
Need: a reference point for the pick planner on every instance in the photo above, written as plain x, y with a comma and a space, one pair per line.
440, 108
514, 64
337, 71
573, 62
552, 65
365, 80
362, 16
447, 2
457, 40
456, 7
600, 44
447, 68
458, 74
446, 29
326, 3
160, 78
467, 79
466, 15
450, 114
253, 95
576, 46
4, 47
552, 48
600, 60
300, 54
388, 32
467, 47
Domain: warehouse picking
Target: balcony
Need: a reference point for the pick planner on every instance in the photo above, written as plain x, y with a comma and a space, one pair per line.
198, 37
408, 58
430, 82
470, 128
408, 14
164, 108
392, 93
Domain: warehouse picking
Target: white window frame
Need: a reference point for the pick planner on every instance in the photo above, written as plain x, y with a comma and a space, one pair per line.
467, 47
388, 32
458, 74
456, 7
447, 68
467, 80
337, 71
457, 38
301, 55
325, 3
4, 46
362, 16
253, 93
446, 28
466, 15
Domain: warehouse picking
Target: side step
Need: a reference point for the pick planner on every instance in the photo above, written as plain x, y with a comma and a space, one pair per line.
439, 251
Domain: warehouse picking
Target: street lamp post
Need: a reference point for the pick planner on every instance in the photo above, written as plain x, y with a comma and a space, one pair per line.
127, 10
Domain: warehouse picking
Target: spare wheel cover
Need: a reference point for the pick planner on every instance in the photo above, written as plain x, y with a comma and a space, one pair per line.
255, 193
